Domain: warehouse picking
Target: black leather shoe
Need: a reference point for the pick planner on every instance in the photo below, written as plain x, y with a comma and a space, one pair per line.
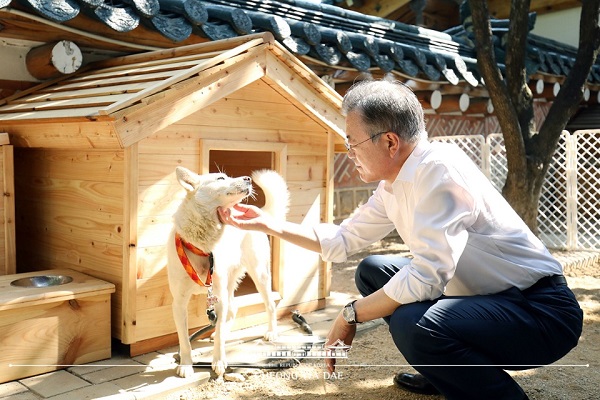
415, 383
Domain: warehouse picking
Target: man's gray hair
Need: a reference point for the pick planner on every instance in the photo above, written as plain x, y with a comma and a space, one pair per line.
387, 105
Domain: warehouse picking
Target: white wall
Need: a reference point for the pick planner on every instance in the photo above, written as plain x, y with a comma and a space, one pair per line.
12, 60
562, 26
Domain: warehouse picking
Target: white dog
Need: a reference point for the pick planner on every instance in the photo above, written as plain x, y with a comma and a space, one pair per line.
234, 251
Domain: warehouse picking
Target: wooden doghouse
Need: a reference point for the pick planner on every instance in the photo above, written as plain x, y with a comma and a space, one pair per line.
96, 154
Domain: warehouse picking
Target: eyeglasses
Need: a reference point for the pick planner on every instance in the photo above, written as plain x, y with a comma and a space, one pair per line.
352, 146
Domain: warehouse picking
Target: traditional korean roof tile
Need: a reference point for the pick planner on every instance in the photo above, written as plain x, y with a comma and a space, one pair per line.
323, 34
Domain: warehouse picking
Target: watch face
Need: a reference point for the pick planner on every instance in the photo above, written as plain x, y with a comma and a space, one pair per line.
348, 313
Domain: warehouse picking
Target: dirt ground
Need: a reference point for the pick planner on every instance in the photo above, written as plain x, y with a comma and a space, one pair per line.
575, 377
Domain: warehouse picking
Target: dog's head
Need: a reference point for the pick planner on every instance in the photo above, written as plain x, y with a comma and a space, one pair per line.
215, 189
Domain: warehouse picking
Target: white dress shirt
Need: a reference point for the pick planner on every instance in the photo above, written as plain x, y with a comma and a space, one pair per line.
464, 236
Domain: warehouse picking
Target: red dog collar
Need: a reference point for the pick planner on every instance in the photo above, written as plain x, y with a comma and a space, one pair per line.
180, 244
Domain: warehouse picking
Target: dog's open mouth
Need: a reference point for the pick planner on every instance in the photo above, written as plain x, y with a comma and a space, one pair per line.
245, 192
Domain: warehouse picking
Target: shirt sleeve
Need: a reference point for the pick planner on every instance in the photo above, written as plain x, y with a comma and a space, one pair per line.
443, 210
368, 224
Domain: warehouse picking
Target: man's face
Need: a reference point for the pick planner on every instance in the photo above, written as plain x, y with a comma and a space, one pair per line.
371, 159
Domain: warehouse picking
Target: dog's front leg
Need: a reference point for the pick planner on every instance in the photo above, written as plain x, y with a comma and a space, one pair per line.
185, 368
219, 364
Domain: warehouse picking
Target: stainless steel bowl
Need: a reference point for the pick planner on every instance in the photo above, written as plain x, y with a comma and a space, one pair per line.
40, 281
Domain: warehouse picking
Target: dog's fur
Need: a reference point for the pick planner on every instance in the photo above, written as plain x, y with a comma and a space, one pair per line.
235, 252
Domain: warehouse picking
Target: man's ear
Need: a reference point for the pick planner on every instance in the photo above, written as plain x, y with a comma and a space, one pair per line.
393, 143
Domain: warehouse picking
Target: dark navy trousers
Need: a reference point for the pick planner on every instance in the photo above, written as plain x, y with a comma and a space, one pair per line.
463, 345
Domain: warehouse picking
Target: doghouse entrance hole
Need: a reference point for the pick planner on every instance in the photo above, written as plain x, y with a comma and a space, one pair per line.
242, 163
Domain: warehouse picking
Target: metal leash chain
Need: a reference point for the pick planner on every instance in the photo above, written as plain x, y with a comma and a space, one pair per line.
211, 301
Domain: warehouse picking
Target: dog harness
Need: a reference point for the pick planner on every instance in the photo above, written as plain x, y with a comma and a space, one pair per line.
181, 245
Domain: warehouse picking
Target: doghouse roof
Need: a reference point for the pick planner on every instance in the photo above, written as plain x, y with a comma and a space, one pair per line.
117, 102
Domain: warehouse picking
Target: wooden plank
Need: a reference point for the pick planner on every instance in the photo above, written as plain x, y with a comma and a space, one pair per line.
41, 116
118, 80
82, 93
130, 232
79, 165
158, 64
159, 169
307, 168
66, 104
501, 9
184, 137
95, 225
309, 197
158, 321
105, 197
140, 69
8, 212
185, 100
327, 217
153, 293
206, 47
259, 90
183, 140
71, 251
227, 55
232, 113
64, 135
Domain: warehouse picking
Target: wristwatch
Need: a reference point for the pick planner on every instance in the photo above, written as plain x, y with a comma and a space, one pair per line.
349, 313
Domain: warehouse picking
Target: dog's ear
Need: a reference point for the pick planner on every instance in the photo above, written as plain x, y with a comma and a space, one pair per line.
187, 178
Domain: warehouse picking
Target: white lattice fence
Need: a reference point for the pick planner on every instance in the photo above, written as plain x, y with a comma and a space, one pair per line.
569, 204
587, 190
570, 199
553, 211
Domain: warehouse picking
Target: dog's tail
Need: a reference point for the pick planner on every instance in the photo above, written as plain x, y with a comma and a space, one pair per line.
277, 196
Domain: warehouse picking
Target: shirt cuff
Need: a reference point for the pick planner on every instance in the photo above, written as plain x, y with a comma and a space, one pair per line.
405, 288
332, 243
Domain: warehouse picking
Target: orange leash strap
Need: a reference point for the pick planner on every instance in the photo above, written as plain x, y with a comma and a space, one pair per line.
181, 245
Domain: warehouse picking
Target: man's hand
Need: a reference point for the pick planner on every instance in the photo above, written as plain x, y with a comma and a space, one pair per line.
340, 330
244, 216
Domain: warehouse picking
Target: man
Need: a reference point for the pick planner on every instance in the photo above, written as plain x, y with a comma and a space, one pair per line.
481, 294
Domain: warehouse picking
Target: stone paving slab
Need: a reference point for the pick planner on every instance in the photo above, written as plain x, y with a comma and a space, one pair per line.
104, 391
54, 383
11, 389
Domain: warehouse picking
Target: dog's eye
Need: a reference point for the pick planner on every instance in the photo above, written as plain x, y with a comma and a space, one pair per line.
220, 178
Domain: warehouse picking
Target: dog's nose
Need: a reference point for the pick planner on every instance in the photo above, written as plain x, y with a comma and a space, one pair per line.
247, 179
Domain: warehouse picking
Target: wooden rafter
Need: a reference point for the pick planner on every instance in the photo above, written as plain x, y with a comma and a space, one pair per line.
501, 8
380, 8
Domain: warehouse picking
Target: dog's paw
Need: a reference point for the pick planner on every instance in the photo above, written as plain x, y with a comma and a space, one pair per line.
185, 371
270, 336
219, 367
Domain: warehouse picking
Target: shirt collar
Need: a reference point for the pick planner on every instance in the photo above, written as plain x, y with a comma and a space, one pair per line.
407, 172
